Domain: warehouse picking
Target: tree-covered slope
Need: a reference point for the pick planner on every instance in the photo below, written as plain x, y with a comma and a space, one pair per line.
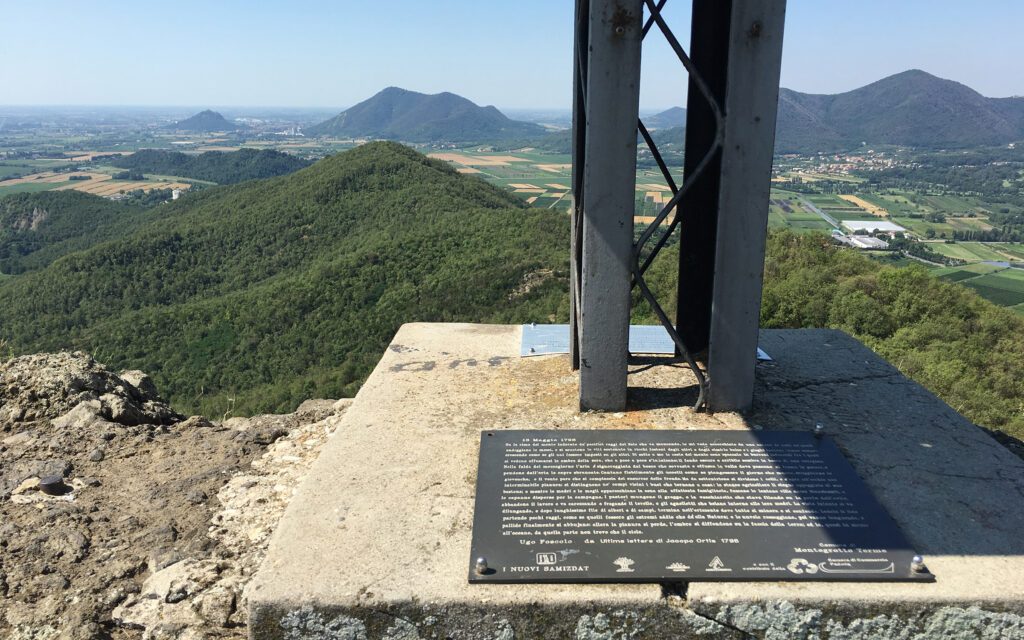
38, 228
965, 349
276, 290
222, 167
398, 114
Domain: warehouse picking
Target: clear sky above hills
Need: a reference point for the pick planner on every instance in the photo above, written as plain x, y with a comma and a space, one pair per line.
511, 53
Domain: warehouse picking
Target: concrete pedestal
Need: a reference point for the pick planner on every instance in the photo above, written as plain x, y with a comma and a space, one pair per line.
375, 544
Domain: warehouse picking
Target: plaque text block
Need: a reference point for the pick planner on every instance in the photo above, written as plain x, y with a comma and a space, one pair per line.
665, 506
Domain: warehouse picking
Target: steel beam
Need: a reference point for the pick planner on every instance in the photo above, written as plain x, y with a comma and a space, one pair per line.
751, 102
609, 176
581, 48
709, 52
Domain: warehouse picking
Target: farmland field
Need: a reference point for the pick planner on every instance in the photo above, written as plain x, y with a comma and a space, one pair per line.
101, 184
1012, 251
871, 208
1000, 285
8, 187
920, 226
11, 169
951, 204
996, 293
895, 204
968, 251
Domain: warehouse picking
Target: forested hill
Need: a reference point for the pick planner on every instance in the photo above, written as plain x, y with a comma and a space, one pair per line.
205, 121
38, 228
913, 108
963, 348
672, 117
274, 291
222, 167
398, 114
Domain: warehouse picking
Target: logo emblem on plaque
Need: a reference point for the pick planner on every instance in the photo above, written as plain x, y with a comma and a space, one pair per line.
625, 565
678, 567
799, 565
716, 564
547, 558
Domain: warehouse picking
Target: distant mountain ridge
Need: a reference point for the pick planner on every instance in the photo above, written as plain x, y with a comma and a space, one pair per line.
205, 121
912, 108
399, 114
671, 117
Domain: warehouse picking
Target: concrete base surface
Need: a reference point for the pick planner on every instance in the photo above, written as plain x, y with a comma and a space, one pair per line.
376, 542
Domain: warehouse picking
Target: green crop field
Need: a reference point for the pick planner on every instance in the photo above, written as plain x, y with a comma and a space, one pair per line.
972, 270
827, 200
802, 221
950, 204
11, 169
996, 295
968, 224
896, 205
1013, 252
955, 275
920, 226
969, 251
27, 187
999, 285
797, 218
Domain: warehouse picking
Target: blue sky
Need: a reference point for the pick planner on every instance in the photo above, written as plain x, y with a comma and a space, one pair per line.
511, 53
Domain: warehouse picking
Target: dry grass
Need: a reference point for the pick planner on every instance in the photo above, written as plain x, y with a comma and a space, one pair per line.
463, 159
506, 159
867, 206
650, 219
553, 168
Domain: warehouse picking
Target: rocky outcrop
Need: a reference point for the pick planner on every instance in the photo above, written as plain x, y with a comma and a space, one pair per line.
206, 597
157, 522
51, 385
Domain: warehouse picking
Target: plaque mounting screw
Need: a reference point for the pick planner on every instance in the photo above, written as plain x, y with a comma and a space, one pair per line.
819, 430
481, 565
917, 564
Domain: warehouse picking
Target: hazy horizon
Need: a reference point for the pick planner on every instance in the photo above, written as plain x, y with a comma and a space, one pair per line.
239, 56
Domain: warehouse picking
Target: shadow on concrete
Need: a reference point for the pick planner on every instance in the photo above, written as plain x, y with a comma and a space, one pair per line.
645, 398
951, 487
948, 484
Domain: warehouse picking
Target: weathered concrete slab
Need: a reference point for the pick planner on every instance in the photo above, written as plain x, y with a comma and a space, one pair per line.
375, 543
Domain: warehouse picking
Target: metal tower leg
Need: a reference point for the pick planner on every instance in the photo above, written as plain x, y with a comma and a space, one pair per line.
609, 174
